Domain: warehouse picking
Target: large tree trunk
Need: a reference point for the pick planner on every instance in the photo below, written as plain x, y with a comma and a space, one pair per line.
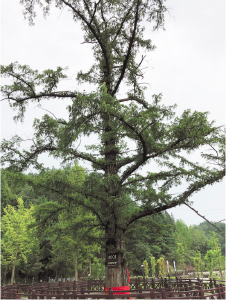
116, 274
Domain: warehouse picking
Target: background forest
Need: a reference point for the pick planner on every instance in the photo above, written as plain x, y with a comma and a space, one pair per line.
44, 236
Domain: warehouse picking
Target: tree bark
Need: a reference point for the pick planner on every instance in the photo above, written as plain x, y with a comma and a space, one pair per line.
76, 262
116, 274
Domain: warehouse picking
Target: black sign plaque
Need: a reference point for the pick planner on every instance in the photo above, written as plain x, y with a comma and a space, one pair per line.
112, 260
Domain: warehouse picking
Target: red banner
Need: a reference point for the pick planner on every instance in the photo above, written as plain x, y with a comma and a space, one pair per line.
128, 275
119, 288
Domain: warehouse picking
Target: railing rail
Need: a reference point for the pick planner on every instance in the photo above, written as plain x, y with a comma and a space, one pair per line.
177, 289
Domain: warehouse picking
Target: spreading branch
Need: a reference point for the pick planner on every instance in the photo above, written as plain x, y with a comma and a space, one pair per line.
202, 217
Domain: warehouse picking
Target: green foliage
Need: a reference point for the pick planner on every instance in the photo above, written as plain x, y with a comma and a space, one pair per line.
146, 268
209, 261
19, 243
7, 196
197, 263
183, 235
64, 224
153, 265
154, 237
208, 229
218, 259
181, 254
98, 269
199, 241
161, 263
131, 132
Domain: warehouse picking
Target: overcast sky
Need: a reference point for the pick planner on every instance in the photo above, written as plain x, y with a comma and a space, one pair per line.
187, 67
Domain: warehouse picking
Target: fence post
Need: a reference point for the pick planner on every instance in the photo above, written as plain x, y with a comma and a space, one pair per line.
211, 283
89, 285
163, 294
201, 292
153, 283
214, 282
165, 283
82, 290
110, 294
171, 291
65, 295
140, 292
221, 296
74, 285
59, 293
152, 295
223, 291
144, 282
33, 294
180, 282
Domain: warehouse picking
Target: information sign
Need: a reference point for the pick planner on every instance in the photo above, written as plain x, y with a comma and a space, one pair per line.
112, 260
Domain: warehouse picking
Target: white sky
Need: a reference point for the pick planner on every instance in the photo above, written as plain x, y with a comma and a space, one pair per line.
187, 68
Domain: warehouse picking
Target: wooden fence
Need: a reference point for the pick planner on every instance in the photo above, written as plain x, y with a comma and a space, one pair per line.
148, 283
94, 289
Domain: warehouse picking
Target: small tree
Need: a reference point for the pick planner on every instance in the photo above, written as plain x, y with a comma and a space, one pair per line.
181, 254
219, 259
197, 263
217, 255
161, 263
17, 240
153, 265
209, 261
146, 269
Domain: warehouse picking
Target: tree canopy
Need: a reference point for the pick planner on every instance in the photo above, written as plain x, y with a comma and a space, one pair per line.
131, 132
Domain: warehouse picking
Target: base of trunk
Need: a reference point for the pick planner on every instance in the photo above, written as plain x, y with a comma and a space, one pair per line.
116, 274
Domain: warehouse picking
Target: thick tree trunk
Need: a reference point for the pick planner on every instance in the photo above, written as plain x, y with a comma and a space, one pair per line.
116, 274
76, 262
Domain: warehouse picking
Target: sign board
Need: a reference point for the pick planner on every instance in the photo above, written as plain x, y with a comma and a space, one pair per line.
174, 266
167, 266
112, 260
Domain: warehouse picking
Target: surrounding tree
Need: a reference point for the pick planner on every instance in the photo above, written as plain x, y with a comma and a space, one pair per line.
153, 265
154, 236
131, 131
7, 195
146, 268
208, 229
98, 270
18, 242
181, 255
199, 241
197, 263
209, 261
161, 265
218, 259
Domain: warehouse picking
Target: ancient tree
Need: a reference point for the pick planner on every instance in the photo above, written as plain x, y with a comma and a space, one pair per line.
132, 131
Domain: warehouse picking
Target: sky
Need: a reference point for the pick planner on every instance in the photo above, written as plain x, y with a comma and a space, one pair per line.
187, 67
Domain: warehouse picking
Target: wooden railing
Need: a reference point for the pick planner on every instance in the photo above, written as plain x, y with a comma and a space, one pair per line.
177, 289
